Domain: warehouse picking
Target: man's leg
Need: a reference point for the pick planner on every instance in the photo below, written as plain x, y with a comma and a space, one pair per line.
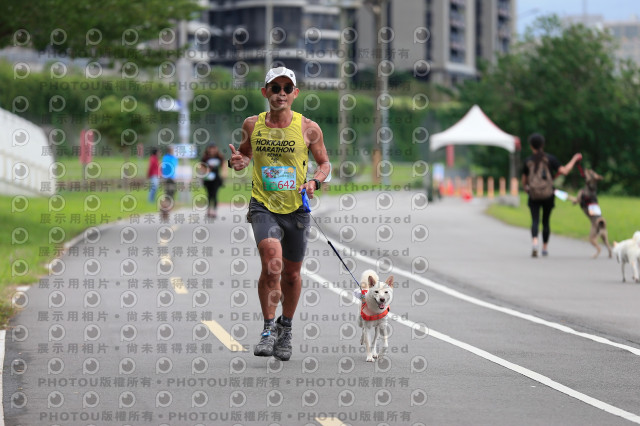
290, 285
294, 246
269, 293
269, 282
153, 188
214, 195
208, 186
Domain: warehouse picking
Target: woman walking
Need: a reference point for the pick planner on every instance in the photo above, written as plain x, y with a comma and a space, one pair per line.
538, 173
212, 163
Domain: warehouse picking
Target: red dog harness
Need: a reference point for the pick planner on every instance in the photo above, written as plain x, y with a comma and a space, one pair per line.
371, 317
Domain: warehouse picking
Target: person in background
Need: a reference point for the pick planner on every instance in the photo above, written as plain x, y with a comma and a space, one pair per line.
168, 169
153, 174
538, 173
213, 167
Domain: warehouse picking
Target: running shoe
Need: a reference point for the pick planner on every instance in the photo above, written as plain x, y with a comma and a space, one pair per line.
267, 342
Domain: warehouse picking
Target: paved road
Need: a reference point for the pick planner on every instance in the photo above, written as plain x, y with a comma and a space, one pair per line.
149, 324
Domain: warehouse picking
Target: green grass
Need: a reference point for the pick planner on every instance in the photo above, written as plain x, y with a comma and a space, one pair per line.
29, 235
621, 214
402, 176
109, 167
73, 219
38, 221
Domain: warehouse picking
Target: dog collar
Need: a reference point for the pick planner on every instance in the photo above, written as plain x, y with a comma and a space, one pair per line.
371, 317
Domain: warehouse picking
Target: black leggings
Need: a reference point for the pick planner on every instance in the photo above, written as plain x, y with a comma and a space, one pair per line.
546, 205
212, 187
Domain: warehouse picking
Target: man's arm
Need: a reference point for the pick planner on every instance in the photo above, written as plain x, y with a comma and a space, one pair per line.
315, 140
241, 157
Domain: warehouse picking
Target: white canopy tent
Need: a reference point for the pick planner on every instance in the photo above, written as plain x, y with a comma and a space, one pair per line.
26, 159
475, 128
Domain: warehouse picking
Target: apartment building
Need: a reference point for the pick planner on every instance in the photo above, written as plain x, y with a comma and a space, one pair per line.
625, 32
303, 34
436, 40
449, 35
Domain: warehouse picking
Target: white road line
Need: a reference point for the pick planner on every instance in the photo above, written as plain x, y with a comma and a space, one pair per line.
454, 293
596, 403
3, 335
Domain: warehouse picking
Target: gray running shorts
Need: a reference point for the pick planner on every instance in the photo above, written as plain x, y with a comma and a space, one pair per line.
291, 229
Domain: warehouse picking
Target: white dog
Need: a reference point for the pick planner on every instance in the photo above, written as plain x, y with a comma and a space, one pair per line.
628, 251
376, 297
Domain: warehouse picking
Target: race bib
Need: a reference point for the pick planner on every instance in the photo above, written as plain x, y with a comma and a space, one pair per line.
279, 178
594, 210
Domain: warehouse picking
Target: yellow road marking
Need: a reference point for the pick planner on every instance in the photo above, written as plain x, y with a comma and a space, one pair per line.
329, 421
178, 285
221, 334
164, 243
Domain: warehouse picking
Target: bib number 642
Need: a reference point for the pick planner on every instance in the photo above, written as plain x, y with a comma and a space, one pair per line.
286, 184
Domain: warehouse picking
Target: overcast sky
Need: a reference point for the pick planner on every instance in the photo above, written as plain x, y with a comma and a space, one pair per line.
612, 10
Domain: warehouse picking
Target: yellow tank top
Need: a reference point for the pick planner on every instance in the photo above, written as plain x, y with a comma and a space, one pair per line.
280, 159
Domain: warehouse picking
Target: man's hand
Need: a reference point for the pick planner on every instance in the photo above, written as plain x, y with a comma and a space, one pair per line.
236, 161
310, 187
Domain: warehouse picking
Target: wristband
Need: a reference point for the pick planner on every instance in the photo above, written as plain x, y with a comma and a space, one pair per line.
317, 183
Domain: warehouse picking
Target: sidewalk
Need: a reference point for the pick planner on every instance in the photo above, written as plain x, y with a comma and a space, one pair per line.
481, 256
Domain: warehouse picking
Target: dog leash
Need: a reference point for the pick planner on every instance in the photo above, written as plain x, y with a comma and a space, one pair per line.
366, 317
580, 168
307, 208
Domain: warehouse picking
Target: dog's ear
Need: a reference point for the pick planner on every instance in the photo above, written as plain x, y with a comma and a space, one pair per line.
389, 281
592, 175
372, 281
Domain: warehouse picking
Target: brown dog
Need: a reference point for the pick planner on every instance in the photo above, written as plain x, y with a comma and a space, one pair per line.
588, 200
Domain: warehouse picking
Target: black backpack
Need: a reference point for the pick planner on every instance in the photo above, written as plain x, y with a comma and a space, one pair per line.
540, 180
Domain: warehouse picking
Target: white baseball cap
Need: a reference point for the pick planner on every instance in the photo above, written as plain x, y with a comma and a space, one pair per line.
274, 73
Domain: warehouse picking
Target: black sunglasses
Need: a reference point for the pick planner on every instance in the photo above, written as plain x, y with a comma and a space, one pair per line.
276, 88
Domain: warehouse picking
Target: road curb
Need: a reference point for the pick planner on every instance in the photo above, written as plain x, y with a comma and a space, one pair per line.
78, 238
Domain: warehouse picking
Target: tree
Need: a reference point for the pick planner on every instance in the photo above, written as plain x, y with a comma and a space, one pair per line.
121, 122
93, 29
564, 82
